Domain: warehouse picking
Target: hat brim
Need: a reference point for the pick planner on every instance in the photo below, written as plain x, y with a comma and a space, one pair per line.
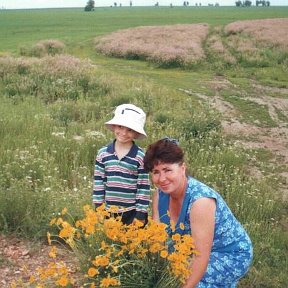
126, 123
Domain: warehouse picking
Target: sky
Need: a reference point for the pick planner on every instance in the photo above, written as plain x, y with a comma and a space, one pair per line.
23, 4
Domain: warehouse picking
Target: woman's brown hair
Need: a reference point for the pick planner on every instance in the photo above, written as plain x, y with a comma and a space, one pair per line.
163, 151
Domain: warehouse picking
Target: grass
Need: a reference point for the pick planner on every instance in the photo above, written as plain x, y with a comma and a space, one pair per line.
53, 109
24, 27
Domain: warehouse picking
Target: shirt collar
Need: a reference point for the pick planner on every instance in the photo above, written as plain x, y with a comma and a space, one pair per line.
132, 153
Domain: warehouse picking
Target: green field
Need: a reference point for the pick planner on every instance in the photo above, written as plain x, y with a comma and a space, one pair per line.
19, 27
52, 113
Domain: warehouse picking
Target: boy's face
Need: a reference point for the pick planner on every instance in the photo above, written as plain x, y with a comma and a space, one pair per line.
124, 134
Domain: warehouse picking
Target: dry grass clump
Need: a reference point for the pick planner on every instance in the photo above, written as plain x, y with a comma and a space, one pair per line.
44, 48
58, 66
50, 78
271, 31
217, 49
64, 65
173, 45
242, 44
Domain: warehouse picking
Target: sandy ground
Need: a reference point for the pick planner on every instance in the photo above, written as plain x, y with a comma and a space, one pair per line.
273, 139
20, 258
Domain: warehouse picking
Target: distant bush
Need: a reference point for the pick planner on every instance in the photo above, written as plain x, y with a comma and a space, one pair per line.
257, 43
166, 46
43, 48
51, 78
272, 32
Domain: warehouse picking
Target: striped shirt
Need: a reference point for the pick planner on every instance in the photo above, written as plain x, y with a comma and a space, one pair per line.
122, 183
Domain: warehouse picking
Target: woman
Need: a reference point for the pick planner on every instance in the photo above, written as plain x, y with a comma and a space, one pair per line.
225, 247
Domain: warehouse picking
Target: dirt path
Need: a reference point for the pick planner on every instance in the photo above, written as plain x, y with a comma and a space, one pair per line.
273, 139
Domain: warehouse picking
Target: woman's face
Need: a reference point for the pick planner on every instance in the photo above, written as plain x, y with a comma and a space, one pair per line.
170, 178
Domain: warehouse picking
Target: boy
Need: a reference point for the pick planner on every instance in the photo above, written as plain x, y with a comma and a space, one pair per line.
119, 178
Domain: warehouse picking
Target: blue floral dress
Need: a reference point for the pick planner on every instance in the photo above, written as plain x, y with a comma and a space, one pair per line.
232, 250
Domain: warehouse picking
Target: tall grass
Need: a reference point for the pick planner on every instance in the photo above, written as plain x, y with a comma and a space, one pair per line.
48, 149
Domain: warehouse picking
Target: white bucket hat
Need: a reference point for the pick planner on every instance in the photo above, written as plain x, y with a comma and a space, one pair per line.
130, 116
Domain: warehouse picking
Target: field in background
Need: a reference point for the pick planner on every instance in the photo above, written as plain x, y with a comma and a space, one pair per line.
24, 27
53, 109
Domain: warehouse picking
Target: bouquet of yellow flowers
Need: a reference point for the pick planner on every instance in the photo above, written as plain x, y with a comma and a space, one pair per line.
114, 254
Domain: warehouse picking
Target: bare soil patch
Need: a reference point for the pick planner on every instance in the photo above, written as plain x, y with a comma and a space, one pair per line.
20, 258
272, 139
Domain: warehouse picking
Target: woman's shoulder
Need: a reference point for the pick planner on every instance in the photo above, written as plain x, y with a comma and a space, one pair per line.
198, 188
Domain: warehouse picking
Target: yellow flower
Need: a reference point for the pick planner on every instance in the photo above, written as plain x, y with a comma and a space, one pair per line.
164, 254
64, 211
155, 247
49, 238
182, 227
101, 261
67, 231
176, 237
59, 221
107, 282
32, 279
63, 281
103, 245
172, 225
92, 272
52, 222
53, 252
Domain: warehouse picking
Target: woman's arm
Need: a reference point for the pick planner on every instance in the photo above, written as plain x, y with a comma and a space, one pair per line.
155, 212
202, 219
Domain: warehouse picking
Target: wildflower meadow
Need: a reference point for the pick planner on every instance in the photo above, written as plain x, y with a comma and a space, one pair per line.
57, 88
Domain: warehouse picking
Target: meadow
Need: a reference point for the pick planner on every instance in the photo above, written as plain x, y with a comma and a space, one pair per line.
53, 107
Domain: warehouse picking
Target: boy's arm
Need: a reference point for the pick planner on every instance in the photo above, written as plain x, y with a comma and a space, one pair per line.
143, 194
99, 182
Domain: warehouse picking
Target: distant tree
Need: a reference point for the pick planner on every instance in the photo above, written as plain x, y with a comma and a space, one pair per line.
130, 3
247, 3
238, 3
90, 5
263, 3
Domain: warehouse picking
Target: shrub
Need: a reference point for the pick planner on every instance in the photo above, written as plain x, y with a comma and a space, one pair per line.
166, 46
43, 48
